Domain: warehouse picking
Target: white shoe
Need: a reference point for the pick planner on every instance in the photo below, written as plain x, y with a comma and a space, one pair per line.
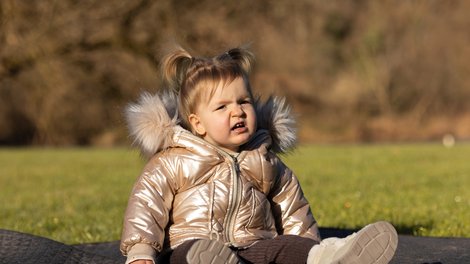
375, 243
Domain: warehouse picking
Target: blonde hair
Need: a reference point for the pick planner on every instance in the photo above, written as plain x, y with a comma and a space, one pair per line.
196, 79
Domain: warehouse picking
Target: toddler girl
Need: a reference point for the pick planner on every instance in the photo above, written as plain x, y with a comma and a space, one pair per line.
214, 190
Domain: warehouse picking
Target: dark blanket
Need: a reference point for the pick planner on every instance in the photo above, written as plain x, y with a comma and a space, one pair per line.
18, 247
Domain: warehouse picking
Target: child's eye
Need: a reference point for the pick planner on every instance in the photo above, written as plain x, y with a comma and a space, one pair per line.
220, 107
245, 102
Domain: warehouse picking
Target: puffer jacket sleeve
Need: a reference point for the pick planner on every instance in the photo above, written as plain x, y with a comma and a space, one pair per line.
290, 208
147, 212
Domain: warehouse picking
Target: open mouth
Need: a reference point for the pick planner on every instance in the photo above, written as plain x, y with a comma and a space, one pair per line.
238, 125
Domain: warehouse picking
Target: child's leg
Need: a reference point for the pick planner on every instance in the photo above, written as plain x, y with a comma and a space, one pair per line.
203, 251
178, 256
282, 249
375, 243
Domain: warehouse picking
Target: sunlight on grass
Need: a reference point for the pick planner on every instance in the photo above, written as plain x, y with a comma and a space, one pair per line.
79, 195
69, 195
420, 189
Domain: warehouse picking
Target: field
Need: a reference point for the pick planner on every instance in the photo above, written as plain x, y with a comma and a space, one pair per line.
79, 195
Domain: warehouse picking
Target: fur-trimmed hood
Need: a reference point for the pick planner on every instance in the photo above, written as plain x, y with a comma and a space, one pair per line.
153, 121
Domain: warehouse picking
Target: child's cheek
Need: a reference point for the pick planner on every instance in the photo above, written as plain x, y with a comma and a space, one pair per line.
254, 119
221, 124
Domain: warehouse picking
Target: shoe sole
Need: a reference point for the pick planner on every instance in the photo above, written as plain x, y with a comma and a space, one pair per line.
211, 252
375, 243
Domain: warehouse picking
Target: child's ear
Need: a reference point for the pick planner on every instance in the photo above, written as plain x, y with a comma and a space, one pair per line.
197, 124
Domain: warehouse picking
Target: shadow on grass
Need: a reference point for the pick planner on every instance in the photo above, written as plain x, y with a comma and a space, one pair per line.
326, 232
402, 229
416, 230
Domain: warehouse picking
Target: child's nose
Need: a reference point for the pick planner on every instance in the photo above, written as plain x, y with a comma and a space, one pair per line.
238, 111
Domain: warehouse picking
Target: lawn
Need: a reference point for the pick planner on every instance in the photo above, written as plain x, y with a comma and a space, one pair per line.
421, 189
79, 195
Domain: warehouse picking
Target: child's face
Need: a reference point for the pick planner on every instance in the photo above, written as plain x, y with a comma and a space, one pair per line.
229, 119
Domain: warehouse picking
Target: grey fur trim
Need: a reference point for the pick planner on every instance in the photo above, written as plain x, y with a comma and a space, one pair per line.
150, 124
277, 119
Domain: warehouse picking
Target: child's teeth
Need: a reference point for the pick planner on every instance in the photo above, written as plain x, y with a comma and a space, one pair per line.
237, 126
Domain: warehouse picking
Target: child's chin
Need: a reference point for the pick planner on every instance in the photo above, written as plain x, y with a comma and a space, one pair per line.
244, 139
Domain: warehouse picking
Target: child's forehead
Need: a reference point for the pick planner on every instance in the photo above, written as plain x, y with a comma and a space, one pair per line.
223, 90
231, 90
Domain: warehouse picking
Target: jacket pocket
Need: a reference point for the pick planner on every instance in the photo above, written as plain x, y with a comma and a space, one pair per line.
214, 223
261, 223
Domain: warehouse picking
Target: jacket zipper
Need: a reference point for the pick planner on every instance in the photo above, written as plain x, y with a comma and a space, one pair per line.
235, 201
236, 188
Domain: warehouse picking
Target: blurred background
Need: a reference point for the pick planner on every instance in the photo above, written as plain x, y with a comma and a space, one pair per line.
355, 71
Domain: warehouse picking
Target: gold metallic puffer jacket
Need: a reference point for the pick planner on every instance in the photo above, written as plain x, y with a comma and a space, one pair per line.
191, 189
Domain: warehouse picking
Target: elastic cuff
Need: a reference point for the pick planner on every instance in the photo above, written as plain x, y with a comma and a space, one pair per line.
141, 251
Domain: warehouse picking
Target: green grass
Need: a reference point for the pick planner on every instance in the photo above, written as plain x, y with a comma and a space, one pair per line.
79, 195
421, 189
70, 195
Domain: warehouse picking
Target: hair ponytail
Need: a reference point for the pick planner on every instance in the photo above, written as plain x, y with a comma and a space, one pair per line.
243, 57
174, 65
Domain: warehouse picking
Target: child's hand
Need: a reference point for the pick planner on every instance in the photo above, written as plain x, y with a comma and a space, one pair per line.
142, 261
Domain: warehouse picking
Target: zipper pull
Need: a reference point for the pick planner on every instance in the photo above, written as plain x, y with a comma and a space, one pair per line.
236, 164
